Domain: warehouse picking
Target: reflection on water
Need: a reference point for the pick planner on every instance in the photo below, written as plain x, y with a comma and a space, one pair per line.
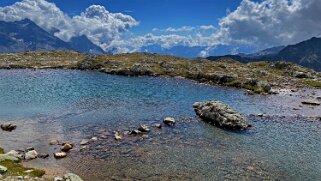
73, 105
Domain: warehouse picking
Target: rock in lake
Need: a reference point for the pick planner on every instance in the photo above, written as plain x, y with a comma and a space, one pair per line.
220, 114
43, 155
66, 147
117, 136
159, 126
3, 169
134, 132
143, 128
169, 121
31, 155
311, 102
8, 127
94, 138
60, 155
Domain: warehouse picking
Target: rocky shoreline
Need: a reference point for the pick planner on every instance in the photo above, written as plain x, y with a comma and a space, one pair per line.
256, 77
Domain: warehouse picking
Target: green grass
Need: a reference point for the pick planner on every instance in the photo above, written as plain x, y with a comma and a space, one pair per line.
16, 169
1, 151
312, 83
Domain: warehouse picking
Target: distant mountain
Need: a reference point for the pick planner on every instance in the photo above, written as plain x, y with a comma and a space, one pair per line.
182, 51
306, 53
25, 35
84, 45
268, 52
192, 52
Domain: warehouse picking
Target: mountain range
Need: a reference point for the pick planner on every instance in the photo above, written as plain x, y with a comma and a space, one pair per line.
25, 35
306, 53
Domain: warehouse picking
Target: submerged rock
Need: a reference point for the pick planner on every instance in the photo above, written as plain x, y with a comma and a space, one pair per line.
8, 127
54, 142
169, 121
220, 114
311, 102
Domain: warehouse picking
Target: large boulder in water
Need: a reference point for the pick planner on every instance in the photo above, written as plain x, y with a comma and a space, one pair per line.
220, 114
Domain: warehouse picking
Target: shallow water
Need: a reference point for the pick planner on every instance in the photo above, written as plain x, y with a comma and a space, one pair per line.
73, 105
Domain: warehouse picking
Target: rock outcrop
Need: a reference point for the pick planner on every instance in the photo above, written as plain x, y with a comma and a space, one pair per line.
220, 114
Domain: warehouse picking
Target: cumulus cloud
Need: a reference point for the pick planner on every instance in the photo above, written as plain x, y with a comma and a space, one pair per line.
186, 29
260, 24
99, 25
272, 22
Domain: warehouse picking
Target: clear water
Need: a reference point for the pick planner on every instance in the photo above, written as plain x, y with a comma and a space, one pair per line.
73, 105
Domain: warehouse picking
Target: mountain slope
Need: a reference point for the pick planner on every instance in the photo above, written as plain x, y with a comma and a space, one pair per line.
306, 53
84, 45
25, 35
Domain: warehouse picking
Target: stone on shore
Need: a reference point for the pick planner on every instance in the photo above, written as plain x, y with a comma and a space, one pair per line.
31, 155
3, 169
169, 121
16, 154
220, 114
72, 177
311, 102
8, 127
4, 157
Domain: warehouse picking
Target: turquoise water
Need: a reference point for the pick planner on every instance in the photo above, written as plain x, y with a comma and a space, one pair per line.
73, 105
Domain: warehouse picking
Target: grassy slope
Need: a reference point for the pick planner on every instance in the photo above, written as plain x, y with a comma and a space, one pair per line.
16, 169
226, 72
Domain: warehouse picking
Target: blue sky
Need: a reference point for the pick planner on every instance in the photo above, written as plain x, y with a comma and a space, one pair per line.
211, 26
155, 13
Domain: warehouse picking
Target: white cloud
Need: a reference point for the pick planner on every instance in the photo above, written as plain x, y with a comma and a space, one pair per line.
261, 24
272, 22
256, 24
99, 25
186, 29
